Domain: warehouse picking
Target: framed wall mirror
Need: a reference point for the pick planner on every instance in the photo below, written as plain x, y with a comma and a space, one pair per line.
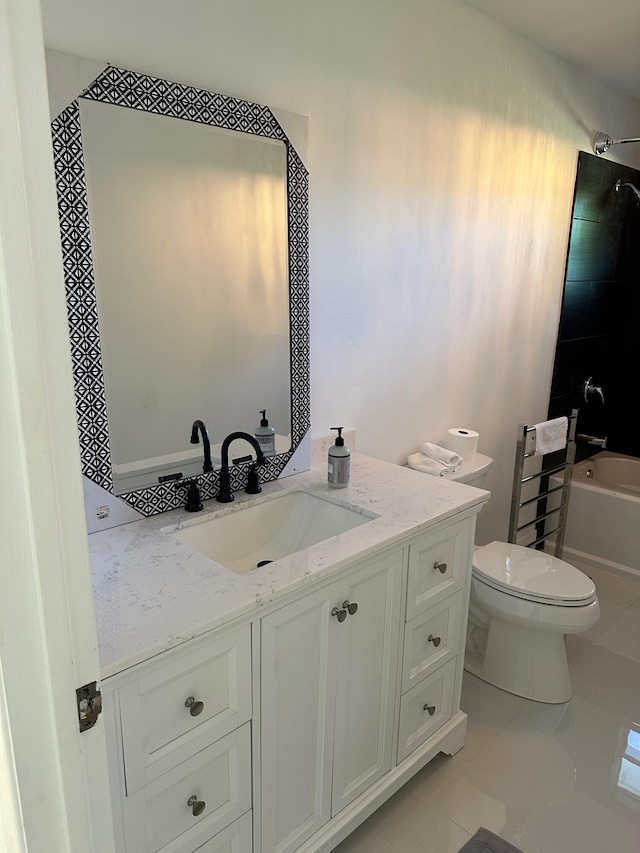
184, 223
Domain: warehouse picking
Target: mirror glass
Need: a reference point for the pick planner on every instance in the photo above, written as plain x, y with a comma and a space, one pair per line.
190, 256
185, 241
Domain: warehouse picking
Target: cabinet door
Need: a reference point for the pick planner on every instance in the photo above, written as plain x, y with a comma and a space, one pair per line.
298, 699
366, 678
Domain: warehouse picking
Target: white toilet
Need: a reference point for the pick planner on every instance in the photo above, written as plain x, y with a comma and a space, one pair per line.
522, 604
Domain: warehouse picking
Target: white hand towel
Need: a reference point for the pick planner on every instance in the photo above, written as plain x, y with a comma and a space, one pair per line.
551, 436
441, 454
424, 463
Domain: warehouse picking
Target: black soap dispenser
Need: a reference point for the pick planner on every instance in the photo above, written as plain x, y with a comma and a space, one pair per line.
339, 463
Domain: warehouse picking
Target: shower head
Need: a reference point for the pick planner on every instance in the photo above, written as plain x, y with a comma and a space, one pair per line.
602, 142
633, 187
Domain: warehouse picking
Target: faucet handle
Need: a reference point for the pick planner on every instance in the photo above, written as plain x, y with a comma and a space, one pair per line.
592, 389
253, 480
194, 501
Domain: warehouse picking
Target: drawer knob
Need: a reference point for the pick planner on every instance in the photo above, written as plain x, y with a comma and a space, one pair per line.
197, 806
435, 640
351, 607
341, 615
441, 567
430, 708
195, 707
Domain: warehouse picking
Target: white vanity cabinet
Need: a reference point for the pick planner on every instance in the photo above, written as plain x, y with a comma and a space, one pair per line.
328, 698
283, 729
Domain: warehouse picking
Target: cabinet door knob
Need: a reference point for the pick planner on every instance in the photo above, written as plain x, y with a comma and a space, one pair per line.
435, 640
197, 806
351, 607
195, 707
341, 615
441, 567
430, 708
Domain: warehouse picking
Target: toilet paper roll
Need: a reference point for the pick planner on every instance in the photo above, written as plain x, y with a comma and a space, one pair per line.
462, 441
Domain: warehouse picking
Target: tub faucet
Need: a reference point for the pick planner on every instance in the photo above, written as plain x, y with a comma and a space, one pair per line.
225, 495
199, 425
591, 439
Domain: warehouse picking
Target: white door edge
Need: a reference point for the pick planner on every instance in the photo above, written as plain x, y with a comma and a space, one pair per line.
53, 780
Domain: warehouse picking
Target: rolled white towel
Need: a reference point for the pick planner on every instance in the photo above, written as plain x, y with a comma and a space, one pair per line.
424, 463
447, 457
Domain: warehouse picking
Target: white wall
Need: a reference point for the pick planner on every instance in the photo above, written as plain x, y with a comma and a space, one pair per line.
442, 158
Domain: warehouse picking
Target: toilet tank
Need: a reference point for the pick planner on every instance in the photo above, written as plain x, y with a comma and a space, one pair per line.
473, 471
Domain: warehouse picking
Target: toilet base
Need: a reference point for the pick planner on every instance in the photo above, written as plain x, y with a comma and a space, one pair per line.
532, 664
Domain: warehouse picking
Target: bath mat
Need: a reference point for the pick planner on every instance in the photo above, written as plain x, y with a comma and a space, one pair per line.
486, 842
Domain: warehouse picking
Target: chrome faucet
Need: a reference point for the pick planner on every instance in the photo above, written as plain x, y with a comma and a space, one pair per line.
591, 439
199, 425
592, 389
225, 495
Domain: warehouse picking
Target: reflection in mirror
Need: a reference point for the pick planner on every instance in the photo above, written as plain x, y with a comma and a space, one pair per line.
189, 238
167, 318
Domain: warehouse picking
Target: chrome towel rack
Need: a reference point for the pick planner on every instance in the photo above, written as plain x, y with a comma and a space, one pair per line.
542, 513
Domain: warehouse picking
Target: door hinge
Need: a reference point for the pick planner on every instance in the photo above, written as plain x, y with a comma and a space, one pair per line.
89, 700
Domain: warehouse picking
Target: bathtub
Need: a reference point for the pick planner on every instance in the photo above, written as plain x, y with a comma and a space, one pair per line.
603, 522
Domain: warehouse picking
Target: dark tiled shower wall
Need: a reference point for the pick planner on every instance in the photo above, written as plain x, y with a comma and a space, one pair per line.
599, 331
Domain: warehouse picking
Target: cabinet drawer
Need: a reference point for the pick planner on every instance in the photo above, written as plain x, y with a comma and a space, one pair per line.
237, 838
430, 640
425, 708
161, 726
159, 817
437, 565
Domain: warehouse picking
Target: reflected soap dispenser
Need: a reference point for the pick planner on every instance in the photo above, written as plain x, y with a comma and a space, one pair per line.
339, 463
266, 435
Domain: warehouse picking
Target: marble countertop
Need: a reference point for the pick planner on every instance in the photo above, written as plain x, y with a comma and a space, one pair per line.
152, 592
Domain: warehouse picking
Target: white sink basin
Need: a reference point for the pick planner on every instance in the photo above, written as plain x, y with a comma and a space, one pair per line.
269, 530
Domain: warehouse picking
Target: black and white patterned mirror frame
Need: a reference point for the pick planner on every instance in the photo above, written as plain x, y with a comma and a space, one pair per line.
139, 91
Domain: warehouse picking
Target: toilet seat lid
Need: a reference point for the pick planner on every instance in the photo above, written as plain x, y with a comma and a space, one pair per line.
529, 573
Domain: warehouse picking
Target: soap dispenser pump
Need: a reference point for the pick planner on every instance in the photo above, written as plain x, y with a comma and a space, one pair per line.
339, 463
266, 435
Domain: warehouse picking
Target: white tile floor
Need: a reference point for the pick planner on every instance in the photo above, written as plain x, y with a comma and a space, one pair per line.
547, 778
